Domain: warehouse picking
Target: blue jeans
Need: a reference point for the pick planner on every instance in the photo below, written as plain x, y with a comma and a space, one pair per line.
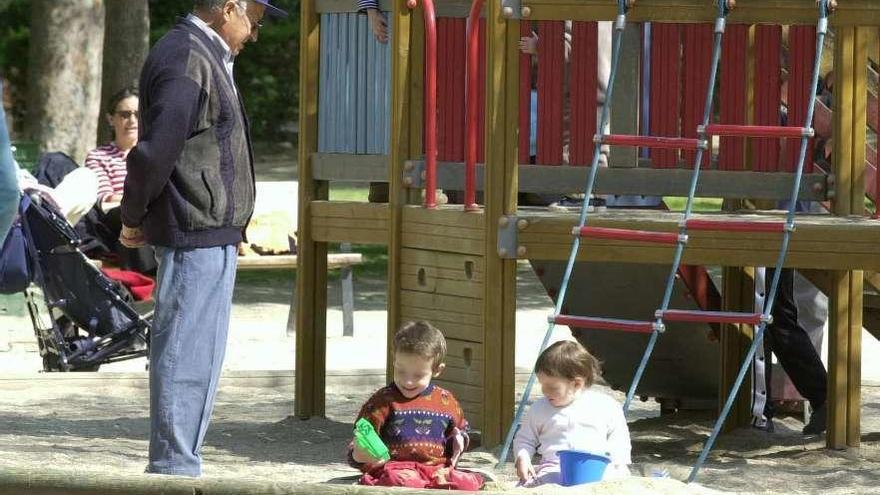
9, 193
187, 345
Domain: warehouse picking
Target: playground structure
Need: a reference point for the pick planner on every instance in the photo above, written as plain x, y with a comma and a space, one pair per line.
363, 119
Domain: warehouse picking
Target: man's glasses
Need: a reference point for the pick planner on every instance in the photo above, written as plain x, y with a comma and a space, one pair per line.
126, 114
254, 25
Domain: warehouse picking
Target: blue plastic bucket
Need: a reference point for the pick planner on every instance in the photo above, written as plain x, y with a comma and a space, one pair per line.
578, 467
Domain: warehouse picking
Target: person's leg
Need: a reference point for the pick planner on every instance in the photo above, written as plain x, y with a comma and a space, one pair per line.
792, 345
188, 343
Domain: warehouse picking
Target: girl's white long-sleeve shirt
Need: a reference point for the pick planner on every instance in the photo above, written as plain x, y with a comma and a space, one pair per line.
593, 422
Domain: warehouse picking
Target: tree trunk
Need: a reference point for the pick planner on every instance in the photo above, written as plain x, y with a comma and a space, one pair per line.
65, 74
126, 43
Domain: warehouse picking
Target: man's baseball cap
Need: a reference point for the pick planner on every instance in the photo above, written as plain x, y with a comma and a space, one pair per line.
271, 9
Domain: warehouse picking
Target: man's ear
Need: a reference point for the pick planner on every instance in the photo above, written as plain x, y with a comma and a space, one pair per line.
579, 382
229, 9
439, 369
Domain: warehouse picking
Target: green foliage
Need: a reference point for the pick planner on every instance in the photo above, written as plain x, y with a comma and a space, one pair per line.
14, 45
267, 72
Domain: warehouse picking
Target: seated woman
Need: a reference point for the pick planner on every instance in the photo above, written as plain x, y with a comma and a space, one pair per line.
108, 163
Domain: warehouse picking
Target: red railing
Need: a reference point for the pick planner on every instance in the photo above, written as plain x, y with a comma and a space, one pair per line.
430, 101
473, 109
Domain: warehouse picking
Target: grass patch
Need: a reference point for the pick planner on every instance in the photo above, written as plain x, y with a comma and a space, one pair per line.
676, 203
349, 192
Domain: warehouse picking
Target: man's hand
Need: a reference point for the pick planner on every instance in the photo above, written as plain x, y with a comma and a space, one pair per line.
379, 25
529, 44
132, 237
524, 469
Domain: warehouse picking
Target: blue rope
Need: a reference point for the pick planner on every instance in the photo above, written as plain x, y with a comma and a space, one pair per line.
582, 220
821, 30
679, 248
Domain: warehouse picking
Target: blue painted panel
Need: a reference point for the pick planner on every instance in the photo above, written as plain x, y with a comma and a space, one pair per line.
355, 91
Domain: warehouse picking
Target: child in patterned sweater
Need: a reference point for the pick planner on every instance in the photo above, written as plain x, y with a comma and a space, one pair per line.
422, 424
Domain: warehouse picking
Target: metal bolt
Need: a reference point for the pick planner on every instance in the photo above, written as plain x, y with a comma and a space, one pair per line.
502, 252
408, 181
503, 222
507, 12
521, 252
526, 12
407, 167
522, 224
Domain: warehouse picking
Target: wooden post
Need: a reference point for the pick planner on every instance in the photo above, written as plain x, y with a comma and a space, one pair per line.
346, 283
739, 284
311, 292
403, 96
738, 295
845, 299
501, 136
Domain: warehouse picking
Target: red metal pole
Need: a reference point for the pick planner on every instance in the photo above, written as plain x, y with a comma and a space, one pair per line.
430, 101
473, 110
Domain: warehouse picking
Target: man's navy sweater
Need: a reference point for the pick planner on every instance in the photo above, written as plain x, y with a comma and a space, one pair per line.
190, 179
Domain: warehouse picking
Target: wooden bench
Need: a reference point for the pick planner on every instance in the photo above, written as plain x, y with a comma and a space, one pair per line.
343, 261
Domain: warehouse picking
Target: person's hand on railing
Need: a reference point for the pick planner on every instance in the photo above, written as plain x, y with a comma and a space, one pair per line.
529, 44
379, 25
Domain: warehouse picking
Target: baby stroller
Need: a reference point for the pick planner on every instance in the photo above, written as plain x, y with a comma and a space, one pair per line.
84, 319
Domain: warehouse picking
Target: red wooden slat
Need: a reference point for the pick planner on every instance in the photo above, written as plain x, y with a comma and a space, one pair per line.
584, 86
757, 131
734, 226
732, 96
802, 55
665, 63
456, 101
444, 54
525, 95
596, 323
481, 126
651, 141
711, 316
768, 40
628, 235
697, 43
550, 74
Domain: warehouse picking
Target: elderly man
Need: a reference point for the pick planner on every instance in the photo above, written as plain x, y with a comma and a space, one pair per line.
189, 192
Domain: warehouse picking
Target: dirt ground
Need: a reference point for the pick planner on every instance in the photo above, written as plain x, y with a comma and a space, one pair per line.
100, 428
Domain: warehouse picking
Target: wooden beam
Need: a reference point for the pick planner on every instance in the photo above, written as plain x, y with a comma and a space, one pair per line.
820, 241
51, 480
402, 70
290, 261
349, 167
444, 8
502, 117
849, 13
350, 221
845, 299
311, 292
859, 83
644, 181
739, 295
